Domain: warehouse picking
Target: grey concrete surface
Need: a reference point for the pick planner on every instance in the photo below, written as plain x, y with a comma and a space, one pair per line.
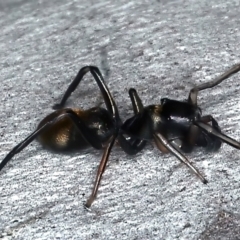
162, 48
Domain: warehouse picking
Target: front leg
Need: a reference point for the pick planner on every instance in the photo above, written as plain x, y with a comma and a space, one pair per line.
211, 130
192, 98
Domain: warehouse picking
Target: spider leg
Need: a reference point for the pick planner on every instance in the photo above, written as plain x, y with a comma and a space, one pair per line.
20, 147
72, 87
111, 106
209, 141
160, 140
195, 136
192, 98
100, 172
137, 108
136, 101
209, 129
133, 146
209, 118
89, 135
188, 142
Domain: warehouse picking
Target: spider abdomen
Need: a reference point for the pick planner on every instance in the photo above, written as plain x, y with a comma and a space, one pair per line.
64, 135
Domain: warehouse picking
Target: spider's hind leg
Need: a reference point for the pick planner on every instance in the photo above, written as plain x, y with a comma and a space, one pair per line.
88, 134
111, 106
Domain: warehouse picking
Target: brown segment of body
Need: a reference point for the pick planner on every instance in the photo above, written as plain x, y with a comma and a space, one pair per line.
63, 135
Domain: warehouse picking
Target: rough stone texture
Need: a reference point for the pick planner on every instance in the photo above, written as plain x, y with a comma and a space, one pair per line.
162, 48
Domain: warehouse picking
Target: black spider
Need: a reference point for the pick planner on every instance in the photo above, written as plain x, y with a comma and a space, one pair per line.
68, 128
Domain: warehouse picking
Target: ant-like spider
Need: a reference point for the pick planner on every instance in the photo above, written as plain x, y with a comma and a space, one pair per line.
69, 129
156, 122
